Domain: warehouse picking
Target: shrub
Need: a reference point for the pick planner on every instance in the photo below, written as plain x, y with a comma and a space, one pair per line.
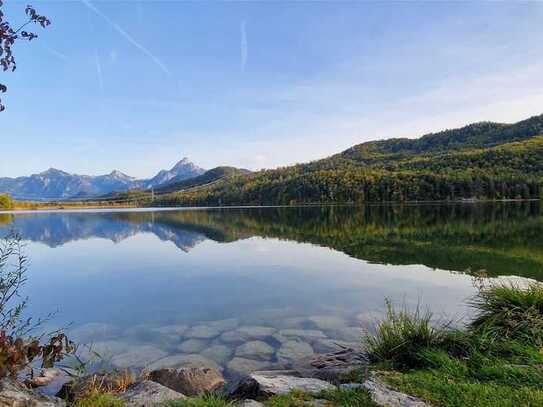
6, 202
18, 348
509, 312
401, 336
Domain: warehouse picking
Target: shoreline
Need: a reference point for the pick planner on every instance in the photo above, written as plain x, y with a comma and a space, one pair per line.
77, 208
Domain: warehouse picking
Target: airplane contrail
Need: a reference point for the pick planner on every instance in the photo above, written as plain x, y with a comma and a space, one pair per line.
128, 37
99, 71
243, 47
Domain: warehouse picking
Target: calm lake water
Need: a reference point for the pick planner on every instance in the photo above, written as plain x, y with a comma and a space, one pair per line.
251, 288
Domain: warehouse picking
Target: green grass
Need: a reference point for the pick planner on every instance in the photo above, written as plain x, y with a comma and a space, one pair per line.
496, 362
509, 312
99, 400
401, 336
348, 398
207, 400
293, 399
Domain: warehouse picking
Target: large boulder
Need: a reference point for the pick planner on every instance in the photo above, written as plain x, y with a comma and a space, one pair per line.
333, 366
384, 395
267, 385
13, 394
189, 381
149, 394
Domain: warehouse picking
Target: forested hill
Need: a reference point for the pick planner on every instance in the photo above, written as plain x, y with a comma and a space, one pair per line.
479, 161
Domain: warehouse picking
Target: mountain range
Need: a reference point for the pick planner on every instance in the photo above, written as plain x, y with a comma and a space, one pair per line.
480, 161
54, 184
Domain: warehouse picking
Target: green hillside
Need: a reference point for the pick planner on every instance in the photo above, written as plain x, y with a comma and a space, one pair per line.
210, 176
479, 161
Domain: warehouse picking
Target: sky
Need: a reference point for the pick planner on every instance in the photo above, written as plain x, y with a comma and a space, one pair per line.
137, 85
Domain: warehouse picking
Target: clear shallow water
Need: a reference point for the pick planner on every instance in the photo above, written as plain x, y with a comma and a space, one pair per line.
250, 288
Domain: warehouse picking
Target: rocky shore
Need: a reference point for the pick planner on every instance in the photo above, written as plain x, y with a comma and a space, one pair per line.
313, 375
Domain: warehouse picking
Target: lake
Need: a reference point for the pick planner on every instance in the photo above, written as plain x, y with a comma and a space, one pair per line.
252, 288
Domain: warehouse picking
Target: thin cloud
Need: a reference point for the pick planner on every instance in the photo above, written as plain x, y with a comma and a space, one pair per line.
244, 47
128, 37
99, 71
55, 53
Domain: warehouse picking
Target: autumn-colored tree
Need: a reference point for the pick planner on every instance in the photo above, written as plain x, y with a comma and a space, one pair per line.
9, 35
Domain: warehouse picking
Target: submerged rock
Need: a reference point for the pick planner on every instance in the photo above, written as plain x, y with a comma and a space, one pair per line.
326, 322
149, 394
172, 330
384, 395
189, 381
94, 331
267, 385
242, 365
203, 332
291, 351
138, 356
13, 394
247, 333
303, 333
255, 350
192, 346
218, 353
183, 360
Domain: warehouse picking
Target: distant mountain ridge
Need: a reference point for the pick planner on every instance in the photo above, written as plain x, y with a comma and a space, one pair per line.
481, 161
54, 184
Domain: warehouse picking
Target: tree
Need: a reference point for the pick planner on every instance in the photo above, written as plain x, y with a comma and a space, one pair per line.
9, 35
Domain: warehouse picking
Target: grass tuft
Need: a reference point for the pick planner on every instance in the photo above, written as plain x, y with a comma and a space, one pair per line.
97, 399
207, 400
508, 312
400, 338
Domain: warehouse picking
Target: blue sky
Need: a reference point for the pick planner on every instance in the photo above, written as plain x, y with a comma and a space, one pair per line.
135, 86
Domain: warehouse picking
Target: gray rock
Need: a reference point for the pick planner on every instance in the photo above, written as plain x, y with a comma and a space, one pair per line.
203, 332
334, 366
320, 403
250, 403
261, 386
192, 346
218, 353
189, 381
384, 395
303, 333
149, 394
242, 365
293, 350
12, 394
255, 350
44, 378
183, 360
138, 356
